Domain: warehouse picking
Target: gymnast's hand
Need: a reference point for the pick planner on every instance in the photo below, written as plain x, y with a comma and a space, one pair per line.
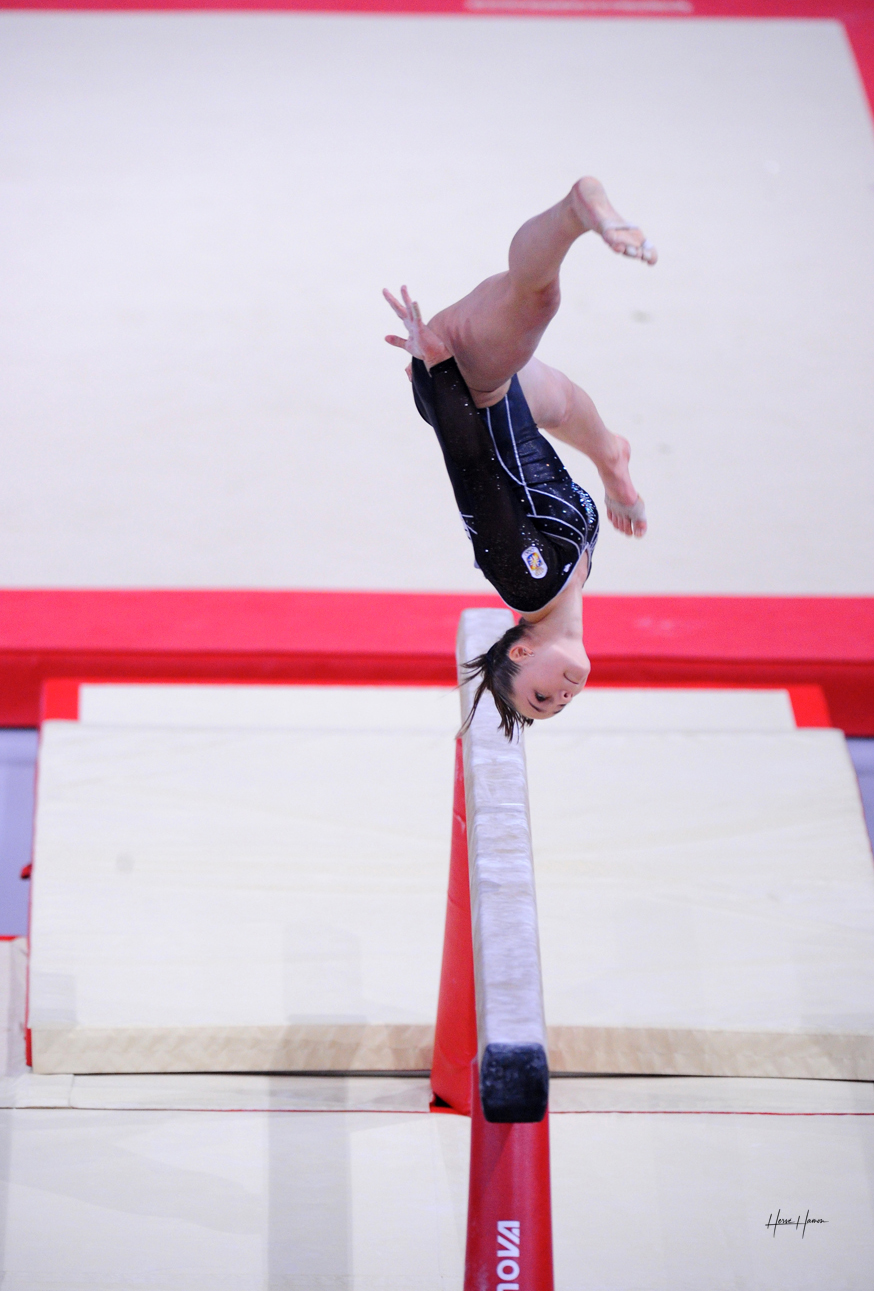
422, 343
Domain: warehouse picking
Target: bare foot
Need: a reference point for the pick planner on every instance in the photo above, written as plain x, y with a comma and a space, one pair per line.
623, 503
593, 208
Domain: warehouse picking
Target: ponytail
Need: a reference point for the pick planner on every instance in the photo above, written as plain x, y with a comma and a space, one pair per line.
497, 672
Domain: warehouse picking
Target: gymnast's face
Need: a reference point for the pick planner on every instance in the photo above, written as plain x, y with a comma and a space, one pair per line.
550, 674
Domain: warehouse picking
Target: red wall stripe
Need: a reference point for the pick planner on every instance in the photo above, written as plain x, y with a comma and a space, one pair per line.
392, 638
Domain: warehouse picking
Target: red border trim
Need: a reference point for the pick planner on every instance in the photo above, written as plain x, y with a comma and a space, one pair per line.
625, 9
396, 638
60, 700
809, 706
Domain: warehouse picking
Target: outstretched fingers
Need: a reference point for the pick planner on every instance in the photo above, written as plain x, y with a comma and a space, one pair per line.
412, 307
407, 312
394, 302
421, 342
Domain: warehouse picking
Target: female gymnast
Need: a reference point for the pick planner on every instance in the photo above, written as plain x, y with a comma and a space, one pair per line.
477, 382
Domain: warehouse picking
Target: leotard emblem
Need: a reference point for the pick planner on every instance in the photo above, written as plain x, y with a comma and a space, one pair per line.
536, 565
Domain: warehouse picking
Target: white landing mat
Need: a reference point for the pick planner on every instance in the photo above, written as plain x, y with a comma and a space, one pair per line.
357, 1201
238, 899
253, 877
202, 210
192, 1183
215, 1201
682, 1201
706, 902
13, 991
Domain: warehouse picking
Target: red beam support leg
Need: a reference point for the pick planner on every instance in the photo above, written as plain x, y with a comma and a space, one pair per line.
455, 1032
509, 1215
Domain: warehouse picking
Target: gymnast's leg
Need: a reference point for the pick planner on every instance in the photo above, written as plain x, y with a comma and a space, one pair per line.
494, 331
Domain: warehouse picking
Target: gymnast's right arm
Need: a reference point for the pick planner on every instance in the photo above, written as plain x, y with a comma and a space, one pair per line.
459, 425
501, 529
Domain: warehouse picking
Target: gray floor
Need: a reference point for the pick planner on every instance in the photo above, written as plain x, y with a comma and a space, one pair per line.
17, 770
862, 753
17, 773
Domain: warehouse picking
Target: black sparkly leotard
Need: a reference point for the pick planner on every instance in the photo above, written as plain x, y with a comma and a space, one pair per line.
528, 521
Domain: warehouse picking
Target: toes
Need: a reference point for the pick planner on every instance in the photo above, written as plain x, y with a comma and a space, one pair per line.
623, 248
625, 524
636, 250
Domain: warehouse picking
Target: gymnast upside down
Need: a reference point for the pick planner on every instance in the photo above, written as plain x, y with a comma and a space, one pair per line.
477, 381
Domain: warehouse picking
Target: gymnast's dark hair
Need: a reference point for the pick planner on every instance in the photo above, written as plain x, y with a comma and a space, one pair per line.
497, 672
